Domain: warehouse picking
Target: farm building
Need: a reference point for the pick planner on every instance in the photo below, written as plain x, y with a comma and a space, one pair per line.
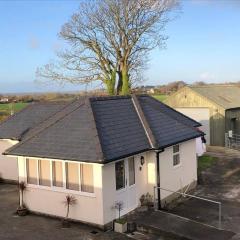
104, 150
216, 107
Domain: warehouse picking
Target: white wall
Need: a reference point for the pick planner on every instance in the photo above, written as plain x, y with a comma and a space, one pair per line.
133, 194
8, 165
51, 201
176, 177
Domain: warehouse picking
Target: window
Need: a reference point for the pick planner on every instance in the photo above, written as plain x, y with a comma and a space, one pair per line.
176, 155
131, 171
120, 175
86, 178
57, 174
32, 168
44, 173
72, 176
68, 175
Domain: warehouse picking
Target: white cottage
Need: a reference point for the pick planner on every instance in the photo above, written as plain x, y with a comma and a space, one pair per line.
104, 150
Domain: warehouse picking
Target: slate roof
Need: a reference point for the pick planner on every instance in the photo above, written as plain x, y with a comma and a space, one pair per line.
17, 125
103, 129
227, 96
167, 125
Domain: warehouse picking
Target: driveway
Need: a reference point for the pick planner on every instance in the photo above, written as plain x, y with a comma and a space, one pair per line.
220, 182
13, 227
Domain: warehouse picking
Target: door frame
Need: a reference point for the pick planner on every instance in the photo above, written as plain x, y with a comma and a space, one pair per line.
125, 191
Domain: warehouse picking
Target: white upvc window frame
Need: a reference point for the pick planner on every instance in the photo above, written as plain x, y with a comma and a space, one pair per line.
177, 153
63, 189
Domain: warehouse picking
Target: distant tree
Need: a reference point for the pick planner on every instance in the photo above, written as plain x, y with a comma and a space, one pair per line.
200, 83
109, 41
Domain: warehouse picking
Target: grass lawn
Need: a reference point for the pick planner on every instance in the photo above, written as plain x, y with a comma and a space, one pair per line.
160, 97
205, 162
6, 107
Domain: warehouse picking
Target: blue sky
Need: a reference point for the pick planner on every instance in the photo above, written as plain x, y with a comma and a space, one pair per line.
203, 44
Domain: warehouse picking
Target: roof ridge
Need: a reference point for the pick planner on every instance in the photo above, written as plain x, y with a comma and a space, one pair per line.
47, 119
49, 125
140, 113
97, 138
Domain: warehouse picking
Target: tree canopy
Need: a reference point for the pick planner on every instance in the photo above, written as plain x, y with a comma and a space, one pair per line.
109, 41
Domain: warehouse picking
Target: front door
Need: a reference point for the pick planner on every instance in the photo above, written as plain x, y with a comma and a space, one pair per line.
126, 184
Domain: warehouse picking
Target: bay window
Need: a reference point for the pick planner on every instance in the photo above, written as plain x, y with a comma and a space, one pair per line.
86, 178
44, 173
32, 171
72, 176
57, 174
67, 175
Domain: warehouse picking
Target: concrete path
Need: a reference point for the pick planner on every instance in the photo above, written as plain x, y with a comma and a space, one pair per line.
172, 225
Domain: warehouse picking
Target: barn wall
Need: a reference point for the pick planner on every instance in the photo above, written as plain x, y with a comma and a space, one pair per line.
189, 98
230, 124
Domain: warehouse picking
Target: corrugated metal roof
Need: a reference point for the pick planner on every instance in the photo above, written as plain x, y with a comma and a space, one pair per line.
227, 96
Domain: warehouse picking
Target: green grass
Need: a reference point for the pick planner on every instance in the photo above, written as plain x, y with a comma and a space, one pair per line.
6, 107
205, 162
160, 97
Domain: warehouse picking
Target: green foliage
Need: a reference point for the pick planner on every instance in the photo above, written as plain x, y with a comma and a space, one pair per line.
205, 162
121, 221
14, 106
160, 97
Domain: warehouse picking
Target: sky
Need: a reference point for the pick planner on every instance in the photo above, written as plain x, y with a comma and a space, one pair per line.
203, 43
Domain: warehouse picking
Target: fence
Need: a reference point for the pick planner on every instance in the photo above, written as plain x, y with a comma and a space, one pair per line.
232, 140
219, 204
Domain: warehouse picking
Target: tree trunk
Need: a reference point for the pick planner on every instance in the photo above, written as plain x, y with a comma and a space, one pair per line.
110, 83
125, 81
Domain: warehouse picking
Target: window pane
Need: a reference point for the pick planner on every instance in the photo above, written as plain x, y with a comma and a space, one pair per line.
175, 148
87, 178
72, 176
44, 173
120, 175
57, 174
131, 171
176, 159
32, 171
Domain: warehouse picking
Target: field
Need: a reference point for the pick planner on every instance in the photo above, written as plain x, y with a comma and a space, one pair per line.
160, 97
7, 107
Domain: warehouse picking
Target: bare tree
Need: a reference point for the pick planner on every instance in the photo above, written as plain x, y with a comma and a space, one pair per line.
109, 41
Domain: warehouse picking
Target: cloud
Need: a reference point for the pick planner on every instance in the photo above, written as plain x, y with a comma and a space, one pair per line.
34, 43
207, 76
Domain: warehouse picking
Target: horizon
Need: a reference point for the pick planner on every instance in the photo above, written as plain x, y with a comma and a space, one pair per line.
203, 44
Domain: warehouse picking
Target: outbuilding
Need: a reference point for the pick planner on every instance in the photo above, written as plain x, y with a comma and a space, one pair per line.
106, 150
216, 107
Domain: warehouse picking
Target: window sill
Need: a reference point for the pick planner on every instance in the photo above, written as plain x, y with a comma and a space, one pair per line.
61, 190
177, 166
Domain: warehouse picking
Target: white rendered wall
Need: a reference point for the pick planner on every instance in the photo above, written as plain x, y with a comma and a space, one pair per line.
47, 200
111, 195
177, 177
8, 165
